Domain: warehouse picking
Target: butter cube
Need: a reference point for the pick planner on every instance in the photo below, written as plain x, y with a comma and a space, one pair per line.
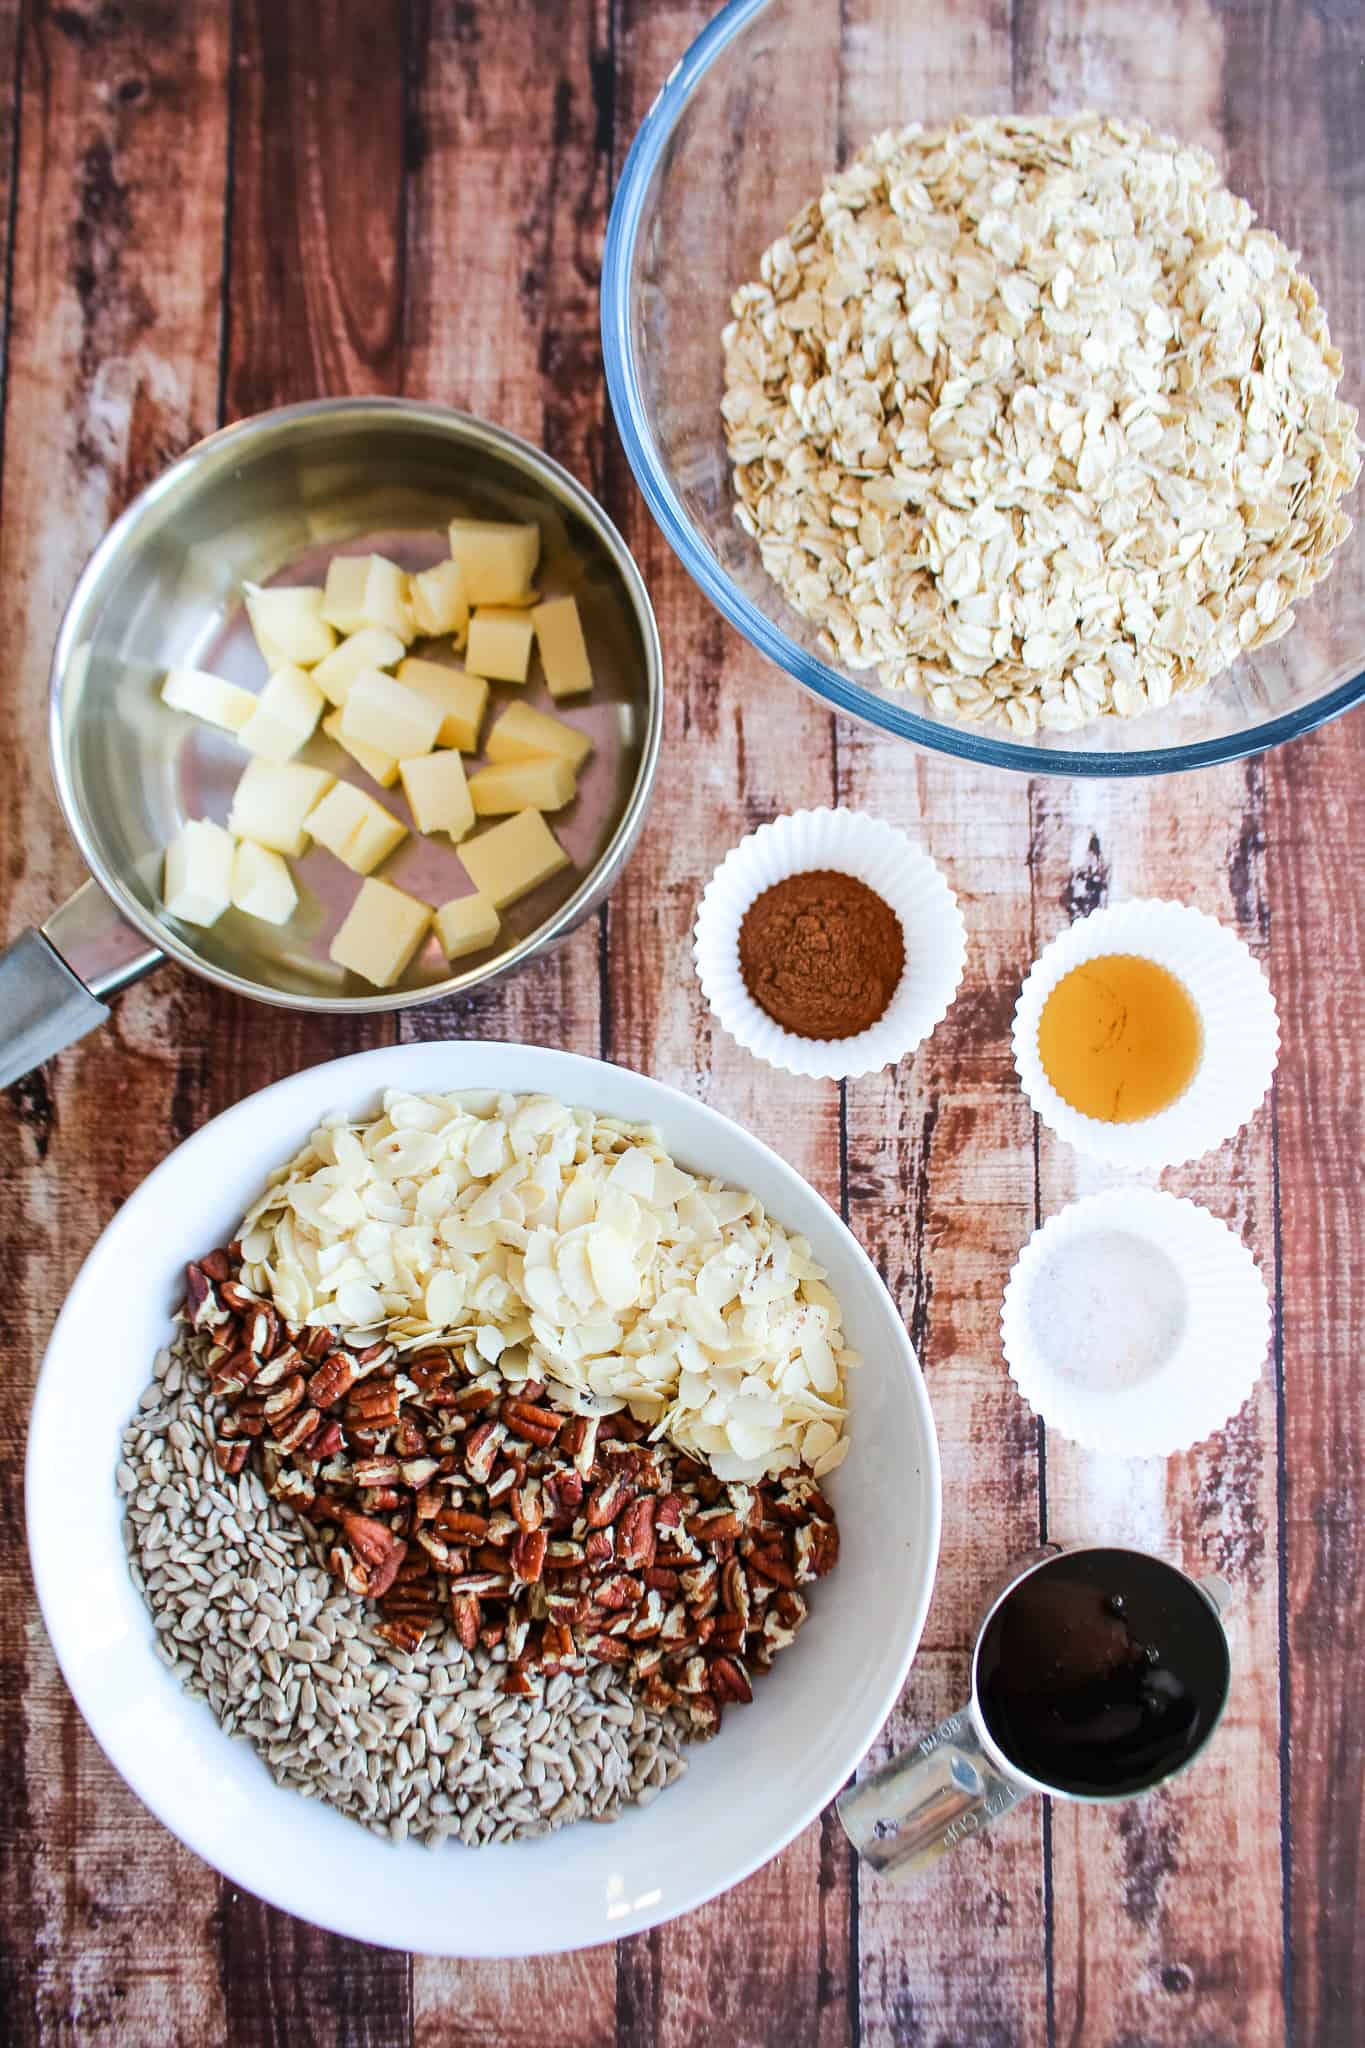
463, 699
368, 590
438, 794
381, 767
286, 713
371, 647
563, 650
466, 925
197, 884
380, 933
499, 643
439, 604
390, 715
541, 785
272, 800
524, 734
343, 595
208, 697
262, 885
288, 623
497, 558
513, 858
355, 827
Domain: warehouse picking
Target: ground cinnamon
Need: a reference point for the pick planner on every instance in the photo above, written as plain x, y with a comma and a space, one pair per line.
822, 953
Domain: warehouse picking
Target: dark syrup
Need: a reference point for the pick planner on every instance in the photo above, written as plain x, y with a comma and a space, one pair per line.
1102, 1672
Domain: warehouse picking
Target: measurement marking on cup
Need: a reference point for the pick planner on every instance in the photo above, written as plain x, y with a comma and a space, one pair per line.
991, 1807
947, 1731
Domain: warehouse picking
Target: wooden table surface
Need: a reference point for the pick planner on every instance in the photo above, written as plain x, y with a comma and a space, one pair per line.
211, 210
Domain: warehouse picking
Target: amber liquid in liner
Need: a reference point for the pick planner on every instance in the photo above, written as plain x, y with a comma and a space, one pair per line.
1120, 1038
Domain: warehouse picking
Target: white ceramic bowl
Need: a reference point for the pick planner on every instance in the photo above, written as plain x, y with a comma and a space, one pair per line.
774, 1765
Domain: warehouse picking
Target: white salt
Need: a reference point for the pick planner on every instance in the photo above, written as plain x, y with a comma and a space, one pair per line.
1107, 1309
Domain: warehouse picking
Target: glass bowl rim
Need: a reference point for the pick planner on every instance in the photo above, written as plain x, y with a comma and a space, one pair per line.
623, 385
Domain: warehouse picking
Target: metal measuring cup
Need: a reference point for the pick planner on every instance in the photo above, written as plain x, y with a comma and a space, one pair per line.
956, 1780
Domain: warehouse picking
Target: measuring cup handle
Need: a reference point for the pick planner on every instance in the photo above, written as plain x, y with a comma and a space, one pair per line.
53, 981
924, 1802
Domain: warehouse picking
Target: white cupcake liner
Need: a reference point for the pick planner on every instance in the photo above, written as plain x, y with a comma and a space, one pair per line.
1236, 1010
851, 843
1135, 1323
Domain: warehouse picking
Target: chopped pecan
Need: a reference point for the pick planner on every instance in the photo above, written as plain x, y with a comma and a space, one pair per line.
465, 1616
528, 1555
606, 1501
730, 1680
635, 1533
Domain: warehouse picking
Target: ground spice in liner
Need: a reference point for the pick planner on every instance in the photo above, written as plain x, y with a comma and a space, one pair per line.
822, 953
852, 847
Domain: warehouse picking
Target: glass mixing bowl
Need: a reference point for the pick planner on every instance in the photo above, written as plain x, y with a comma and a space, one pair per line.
776, 93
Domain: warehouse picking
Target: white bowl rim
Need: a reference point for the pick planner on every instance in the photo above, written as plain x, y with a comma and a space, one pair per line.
378, 1918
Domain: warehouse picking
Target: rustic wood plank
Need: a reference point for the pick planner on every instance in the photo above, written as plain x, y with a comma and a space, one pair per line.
739, 746
567, 2001
1317, 951
111, 370
315, 281
1311, 59
940, 1184
313, 306
1168, 1911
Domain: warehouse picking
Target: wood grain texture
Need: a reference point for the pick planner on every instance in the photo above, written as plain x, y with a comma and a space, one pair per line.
412, 197
111, 371
1313, 869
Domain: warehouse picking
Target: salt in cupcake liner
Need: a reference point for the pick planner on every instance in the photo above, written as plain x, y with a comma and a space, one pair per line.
1237, 1015
1135, 1323
852, 843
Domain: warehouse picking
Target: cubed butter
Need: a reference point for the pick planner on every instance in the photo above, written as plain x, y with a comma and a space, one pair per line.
563, 650
497, 558
343, 595
381, 767
262, 885
208, 697
541, 785
463, 699
466, 925
436, 790
513, 858
197, 883
524, 734
390, 715
371, 647
499, 643
272, 800
355, 827
368, 590
286, 714
439, 604
385, 602
288, 623
380, 933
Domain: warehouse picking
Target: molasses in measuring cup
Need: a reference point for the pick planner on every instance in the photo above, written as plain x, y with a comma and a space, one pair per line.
1097, 1673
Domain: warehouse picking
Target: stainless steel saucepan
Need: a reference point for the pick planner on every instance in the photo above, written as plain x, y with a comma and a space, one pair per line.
271, 501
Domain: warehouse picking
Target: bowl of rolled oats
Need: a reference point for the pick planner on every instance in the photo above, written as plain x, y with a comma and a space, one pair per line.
495, 1460
1025, 431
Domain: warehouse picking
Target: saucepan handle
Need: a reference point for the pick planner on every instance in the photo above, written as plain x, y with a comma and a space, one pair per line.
906, 1815
53, 981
